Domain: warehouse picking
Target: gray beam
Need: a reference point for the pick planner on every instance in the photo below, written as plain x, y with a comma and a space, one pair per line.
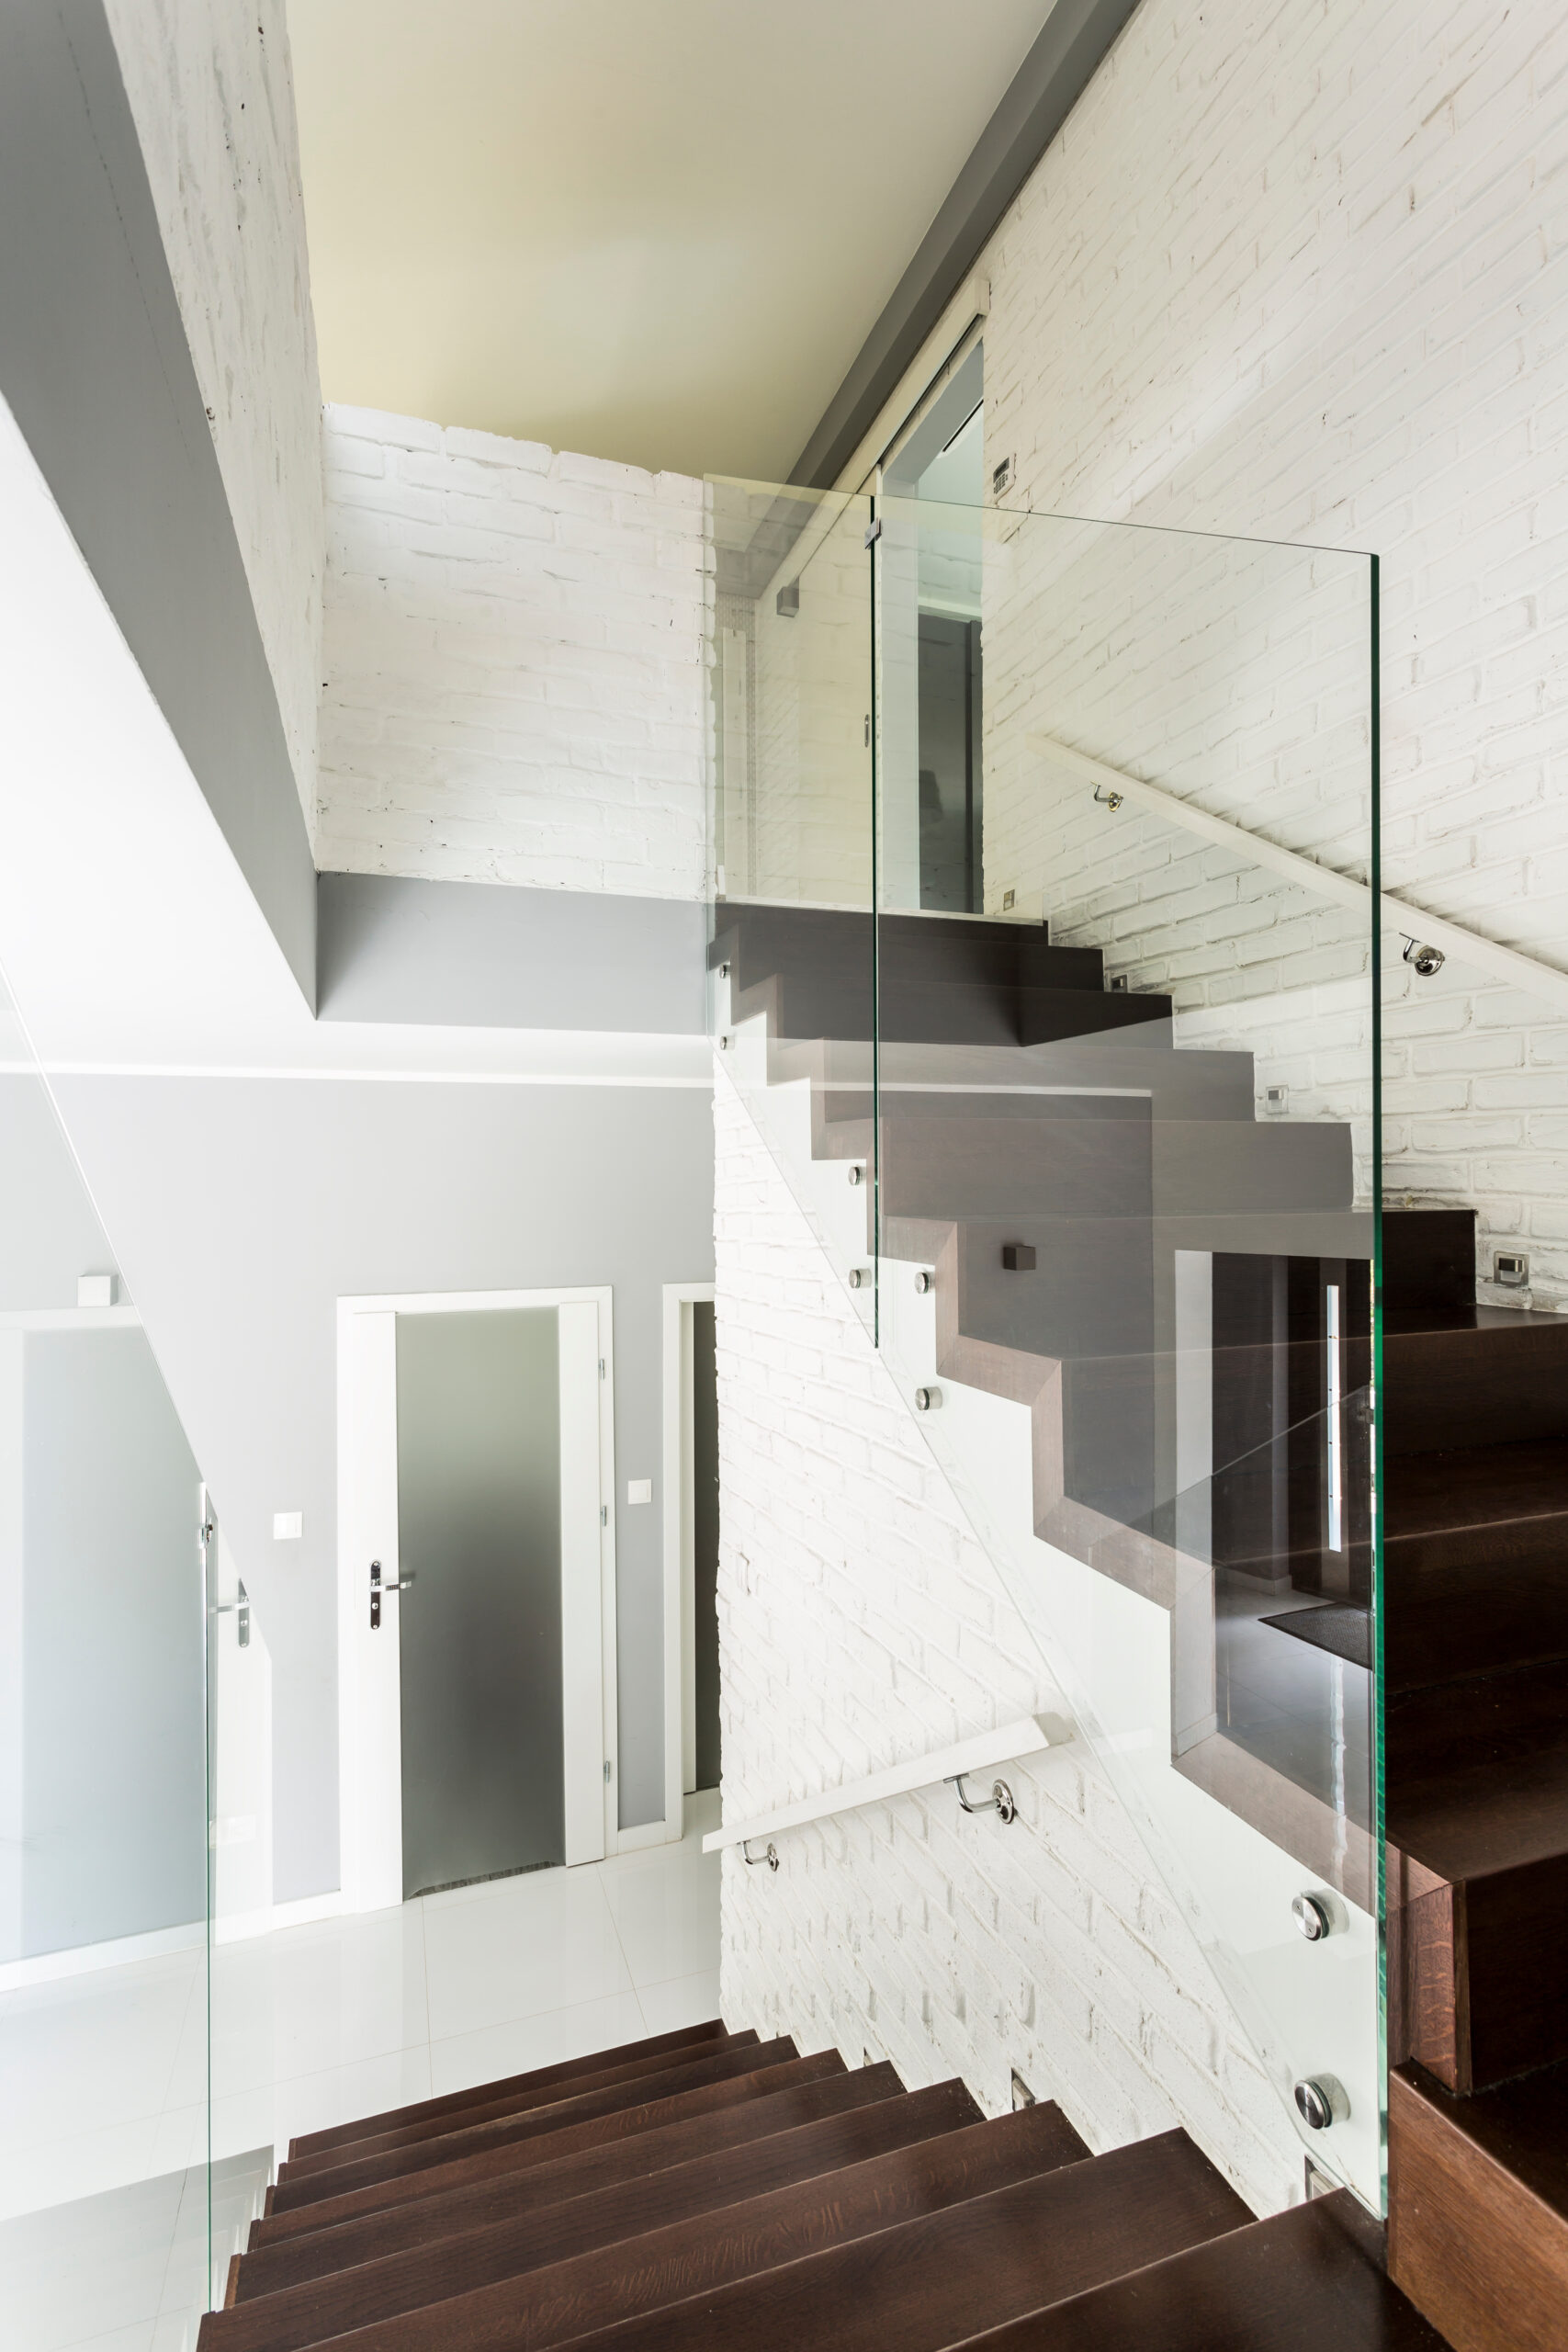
480, 954
96, 368
1041, 95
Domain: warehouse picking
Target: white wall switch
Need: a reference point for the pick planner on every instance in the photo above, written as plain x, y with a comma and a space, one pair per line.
640, 1490
288, 1526
95, 1290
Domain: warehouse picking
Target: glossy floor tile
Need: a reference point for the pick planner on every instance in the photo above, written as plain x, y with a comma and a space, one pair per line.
104, 2078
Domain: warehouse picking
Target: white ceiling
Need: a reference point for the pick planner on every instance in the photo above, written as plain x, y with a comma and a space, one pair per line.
650, 229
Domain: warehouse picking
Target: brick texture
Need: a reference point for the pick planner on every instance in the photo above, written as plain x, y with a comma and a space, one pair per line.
1299, 273
860, 1622
512, 665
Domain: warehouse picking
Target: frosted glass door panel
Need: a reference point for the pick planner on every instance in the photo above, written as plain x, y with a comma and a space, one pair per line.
480, 1533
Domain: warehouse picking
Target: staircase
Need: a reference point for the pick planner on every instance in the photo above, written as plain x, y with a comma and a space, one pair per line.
1476, 1672
989, 1163
707, 2191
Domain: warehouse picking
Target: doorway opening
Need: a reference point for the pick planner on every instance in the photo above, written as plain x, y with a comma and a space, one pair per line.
939, 468
476, 1589
694, 1758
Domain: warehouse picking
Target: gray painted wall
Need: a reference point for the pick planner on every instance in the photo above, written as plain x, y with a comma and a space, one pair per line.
244, 1208
96, 368
492, 955
113, 1772
49, 1233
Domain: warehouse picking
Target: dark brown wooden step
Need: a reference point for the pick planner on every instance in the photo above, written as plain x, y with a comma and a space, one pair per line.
622, 2123
424, 2275
286, 2262
1299, 2281
594, 2062
534, 2123
504, 2099
1478, 2209
1470, 1376
1476, 1562
1477, 1827
959, 2174
924, 2285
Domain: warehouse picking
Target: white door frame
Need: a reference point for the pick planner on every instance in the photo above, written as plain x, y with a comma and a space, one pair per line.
679, 1595
369, 1750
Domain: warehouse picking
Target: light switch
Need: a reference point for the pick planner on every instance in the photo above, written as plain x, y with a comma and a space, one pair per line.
640, 1490
95, 1290
288, 1526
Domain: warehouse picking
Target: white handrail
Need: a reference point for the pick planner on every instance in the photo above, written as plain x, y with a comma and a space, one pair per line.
983, 1749
1520, 971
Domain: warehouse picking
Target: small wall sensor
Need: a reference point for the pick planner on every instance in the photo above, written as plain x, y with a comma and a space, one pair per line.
1009, 900
1511, 1269
95, 1290
288, 1526
1019, 1256
786, 603
640, 1490
1276, 1101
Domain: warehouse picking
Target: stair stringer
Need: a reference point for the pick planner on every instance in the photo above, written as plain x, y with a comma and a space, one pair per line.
1159, 1590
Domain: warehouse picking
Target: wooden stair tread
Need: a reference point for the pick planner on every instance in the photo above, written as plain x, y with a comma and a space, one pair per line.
921, 2285
473, 2139
1477, 1488
1521, 2126
1478, 2209
1482, 1819
962, 2170
315, 2254
807, 2159
538, 2078
1293, 2283
544, 2147
505, 2100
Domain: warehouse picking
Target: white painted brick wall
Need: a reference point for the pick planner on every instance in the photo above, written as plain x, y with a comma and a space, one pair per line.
1297, 272
213, 101
514, 662
860, 1622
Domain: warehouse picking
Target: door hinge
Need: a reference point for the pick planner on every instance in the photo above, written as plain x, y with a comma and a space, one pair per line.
607, 1768
604, 1514
872, 532
600, 1367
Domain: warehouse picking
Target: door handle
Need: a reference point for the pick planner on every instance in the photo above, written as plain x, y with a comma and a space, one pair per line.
378, 1588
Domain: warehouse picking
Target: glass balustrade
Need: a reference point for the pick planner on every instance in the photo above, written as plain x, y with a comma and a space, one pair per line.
1067, 1048
114, 2225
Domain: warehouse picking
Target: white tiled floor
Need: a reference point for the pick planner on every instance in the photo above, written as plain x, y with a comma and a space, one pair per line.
103, 2077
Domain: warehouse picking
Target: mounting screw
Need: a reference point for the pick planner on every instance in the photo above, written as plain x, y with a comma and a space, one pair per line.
1312, 1916
928, 1400
724, 971
857, 1174
1321, 2101
859, 1277
924, 1282
724, 1043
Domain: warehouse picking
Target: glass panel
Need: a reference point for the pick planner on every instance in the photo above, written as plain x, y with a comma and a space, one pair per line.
1122, 1161
1125, 1184
479, 1535
792, 718
104, 2209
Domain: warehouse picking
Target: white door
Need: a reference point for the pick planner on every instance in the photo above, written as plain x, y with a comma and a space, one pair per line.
373, 1595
